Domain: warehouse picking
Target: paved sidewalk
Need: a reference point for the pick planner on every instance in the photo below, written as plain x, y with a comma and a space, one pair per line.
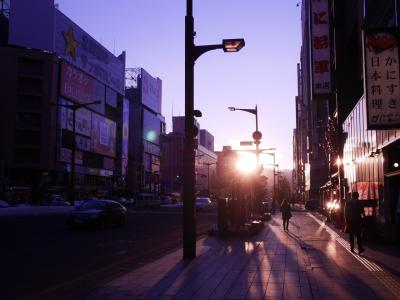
312, 261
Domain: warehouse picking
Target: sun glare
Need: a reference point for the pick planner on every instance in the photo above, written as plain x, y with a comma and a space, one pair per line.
246, 162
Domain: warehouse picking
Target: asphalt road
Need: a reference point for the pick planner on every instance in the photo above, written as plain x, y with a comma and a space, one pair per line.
40, 258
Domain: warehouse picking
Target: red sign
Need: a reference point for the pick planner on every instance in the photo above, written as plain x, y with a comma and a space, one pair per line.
75, 84
320, 44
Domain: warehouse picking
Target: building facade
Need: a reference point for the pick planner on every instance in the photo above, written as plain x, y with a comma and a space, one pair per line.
358, 129
172, 164
147, 125
52, 67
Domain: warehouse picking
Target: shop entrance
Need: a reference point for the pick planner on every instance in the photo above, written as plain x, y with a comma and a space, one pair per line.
394, 201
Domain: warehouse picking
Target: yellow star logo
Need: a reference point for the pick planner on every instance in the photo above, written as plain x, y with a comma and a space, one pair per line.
71, 43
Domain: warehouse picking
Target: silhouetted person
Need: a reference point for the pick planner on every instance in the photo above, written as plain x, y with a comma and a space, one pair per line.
286, 214
354, 214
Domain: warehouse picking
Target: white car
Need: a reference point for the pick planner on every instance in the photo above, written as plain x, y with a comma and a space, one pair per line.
203, 204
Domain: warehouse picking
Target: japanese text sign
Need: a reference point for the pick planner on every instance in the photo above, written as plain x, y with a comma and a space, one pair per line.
75, 84
320, 44
382, 82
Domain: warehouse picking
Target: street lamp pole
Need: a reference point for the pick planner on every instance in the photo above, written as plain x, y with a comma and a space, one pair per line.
192, 52
255, 137
189, 222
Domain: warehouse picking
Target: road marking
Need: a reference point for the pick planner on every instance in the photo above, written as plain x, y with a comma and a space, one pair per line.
386, 278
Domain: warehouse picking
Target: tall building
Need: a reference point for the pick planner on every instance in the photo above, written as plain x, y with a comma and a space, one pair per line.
355, 122
4, 21
147, 125
206, 139
314, 97
55, 61
172, 164
300, 138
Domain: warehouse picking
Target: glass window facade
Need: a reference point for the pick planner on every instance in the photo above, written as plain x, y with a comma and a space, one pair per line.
151, 127
363, 156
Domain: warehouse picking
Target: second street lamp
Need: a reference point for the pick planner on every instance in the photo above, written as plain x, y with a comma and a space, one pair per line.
257, 134
192, 52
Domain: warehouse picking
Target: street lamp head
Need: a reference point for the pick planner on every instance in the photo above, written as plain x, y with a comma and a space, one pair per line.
231, 108
233, 45
197, 113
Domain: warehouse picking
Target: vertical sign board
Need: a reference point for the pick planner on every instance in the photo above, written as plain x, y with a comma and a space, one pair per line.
382, 80
125, 137
320, 44
151, 91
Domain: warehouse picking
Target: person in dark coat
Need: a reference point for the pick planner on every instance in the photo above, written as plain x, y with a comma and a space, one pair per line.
354, 214
286, 214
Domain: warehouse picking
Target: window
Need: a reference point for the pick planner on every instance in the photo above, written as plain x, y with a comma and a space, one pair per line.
28, 66
29, 86
27, 137
27, 120
27, 156
29, 101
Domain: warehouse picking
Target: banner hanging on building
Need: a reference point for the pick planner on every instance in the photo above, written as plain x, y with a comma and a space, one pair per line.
382, 81
103, 135
320, 45
125, 137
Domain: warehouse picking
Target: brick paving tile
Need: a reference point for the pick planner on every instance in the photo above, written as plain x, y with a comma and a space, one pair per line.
256, 291
306, 263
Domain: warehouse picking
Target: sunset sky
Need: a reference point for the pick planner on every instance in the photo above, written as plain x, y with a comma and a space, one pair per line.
263, 73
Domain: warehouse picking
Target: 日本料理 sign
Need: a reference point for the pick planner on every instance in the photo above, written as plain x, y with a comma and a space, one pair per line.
382, 80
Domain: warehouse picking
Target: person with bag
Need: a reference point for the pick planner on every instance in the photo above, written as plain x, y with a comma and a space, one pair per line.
286, 214
354, 214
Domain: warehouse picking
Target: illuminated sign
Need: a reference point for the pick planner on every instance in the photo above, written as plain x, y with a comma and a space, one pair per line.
382, 79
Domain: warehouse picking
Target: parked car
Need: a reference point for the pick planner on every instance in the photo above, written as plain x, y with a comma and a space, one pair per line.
203, 204
312, 204
166, 200
122, 200
58, 200
99, 213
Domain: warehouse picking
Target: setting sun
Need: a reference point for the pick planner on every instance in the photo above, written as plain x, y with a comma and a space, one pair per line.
246, 162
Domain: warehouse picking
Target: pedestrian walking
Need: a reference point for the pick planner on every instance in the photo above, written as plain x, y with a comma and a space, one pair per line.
286, 214
354, 215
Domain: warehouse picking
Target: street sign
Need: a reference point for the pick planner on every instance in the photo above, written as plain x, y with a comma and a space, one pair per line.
257, 135
246, 143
